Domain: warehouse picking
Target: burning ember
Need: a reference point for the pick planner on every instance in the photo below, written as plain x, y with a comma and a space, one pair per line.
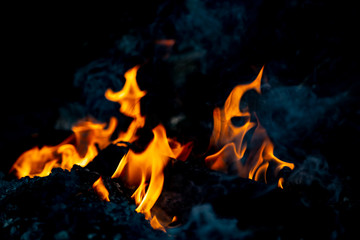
144, 170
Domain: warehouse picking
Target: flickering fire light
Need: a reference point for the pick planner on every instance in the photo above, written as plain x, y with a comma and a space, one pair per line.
145, 170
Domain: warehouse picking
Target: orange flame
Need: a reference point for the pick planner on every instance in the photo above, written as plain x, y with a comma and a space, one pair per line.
129, 98
258, 161
101, 190
230, 138
281, 183
225, 133
145, 170
40, 162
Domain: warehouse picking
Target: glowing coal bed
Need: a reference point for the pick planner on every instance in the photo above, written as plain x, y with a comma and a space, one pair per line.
184, 122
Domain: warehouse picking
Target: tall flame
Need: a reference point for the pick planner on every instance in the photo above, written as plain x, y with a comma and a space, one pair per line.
230, 138
145, 170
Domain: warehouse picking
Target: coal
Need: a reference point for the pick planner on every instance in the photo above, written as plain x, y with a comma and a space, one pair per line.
259, 210
64, 206
208, 204
108, 159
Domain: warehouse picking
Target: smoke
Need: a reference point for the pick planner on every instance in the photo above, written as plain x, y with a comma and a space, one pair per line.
297, 118
315, 172
92, 81
204, 224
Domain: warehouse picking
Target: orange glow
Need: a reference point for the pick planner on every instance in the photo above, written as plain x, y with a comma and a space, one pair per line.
101, 190
230, 138
165, 42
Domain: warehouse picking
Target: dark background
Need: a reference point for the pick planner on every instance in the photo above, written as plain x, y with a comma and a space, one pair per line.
313, 44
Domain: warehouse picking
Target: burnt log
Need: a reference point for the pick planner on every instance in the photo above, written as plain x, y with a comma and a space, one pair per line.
107, 160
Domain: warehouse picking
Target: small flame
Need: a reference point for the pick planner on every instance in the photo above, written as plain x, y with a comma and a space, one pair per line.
281, 183
101, 190
129, 98
230, 138
258, 161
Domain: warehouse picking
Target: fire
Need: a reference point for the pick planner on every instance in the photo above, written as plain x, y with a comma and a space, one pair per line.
101, 190
40, 162
141, 170
230, 138
144, 171
129, 98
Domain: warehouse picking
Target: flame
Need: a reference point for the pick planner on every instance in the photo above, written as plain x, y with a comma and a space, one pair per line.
101, 190
129, 98
258, 160
181, 152
87, 134
230, 138
225, 133
35, 162
145, 170
281, 183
